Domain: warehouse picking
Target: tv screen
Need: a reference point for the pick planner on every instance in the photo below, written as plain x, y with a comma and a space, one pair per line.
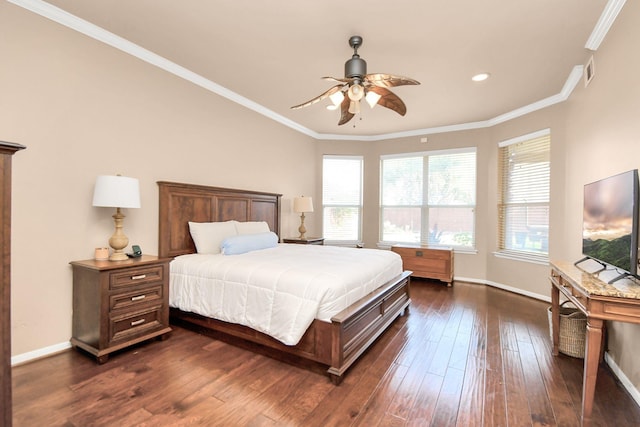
610, 221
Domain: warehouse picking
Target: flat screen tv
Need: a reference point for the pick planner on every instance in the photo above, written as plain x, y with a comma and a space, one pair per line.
610, 223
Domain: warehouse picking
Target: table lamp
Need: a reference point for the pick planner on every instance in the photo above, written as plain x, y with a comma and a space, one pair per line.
301, 205
117, 192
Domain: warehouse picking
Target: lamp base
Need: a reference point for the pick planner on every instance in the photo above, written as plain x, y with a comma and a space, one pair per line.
118, 241
302, 229
118, 256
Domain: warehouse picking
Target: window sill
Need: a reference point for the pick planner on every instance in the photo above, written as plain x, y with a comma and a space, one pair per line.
542, 259
457, 250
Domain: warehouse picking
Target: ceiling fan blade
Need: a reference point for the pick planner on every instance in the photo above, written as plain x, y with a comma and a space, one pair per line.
389, 100
333, 79
345, 115
326, 94
389, 80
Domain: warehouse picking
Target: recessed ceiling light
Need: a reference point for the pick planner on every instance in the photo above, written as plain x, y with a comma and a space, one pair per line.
480, 77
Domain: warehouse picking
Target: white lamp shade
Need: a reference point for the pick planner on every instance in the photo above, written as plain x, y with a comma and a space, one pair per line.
372, 98
302, 204
116, 192
337, 98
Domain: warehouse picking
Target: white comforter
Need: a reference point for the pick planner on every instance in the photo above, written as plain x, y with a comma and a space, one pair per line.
279, 291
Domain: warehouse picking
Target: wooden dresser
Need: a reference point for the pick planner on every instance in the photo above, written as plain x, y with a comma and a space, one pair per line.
119, 303
7, 150
428, 263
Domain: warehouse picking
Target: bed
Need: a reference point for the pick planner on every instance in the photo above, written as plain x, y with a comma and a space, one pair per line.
333, 345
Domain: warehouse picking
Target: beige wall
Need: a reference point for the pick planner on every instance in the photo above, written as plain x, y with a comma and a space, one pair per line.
85, 109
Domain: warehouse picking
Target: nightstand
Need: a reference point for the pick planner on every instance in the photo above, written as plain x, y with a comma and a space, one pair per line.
119, 303
307, 241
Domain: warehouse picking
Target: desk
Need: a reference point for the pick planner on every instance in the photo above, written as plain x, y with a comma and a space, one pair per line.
599, 301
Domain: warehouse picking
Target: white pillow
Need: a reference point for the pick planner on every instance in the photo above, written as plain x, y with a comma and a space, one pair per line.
243, 243
252, 227
208, 236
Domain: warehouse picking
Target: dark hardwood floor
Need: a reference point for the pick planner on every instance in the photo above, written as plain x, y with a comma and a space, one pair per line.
465, 356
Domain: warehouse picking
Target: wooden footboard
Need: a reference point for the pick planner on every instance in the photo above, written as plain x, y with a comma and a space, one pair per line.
357, 327
336, 345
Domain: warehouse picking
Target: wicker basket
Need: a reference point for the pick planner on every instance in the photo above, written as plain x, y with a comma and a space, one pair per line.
573, 330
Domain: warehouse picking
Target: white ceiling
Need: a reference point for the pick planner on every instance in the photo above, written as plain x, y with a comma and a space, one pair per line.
271, 54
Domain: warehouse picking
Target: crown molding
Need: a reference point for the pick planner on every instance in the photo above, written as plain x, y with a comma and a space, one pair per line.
62, 17
574, 78
609, 15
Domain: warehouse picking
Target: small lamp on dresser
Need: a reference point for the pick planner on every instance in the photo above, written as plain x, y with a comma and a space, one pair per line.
117, 192
301, 205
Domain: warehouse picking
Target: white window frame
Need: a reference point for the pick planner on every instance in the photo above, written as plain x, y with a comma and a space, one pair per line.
424, 207
511, 253
358, 206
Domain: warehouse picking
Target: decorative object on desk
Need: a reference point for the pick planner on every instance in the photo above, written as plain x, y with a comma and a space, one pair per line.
572, 330
101, 254
301, 205
136, 252
117, 192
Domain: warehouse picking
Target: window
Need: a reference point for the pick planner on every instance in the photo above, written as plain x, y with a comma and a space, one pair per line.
429, 198
524, 168
342, 198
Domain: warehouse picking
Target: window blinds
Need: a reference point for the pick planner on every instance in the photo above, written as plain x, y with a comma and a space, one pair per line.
524, 168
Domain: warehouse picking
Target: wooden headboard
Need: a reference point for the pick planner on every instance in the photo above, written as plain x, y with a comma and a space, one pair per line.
181, 203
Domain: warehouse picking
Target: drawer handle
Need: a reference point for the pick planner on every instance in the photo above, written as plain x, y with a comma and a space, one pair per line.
138, 298
138, 277
137, 322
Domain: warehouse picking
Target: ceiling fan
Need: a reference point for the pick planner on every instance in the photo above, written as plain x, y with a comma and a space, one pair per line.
357, 84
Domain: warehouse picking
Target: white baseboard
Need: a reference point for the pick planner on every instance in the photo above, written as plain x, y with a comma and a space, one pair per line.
534, 295
626, 383
39, 353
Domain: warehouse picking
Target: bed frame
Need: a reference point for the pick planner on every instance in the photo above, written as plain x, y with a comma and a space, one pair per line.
336, 345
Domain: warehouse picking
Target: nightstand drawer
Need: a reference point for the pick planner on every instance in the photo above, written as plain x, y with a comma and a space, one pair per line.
132, 324
134, 299
137, 276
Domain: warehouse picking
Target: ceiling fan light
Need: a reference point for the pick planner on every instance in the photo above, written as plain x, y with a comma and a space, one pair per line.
337, 98
354, 107
372, 98
356, 92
